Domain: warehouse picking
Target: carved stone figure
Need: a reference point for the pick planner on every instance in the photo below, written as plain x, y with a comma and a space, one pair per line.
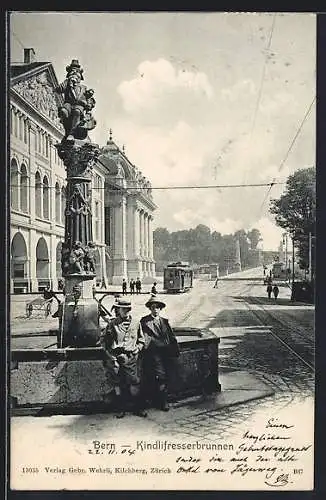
76, 258
75, 114
77, 203
89, 258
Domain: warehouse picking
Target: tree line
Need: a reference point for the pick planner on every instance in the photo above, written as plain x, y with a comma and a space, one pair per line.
295, 212
203, 246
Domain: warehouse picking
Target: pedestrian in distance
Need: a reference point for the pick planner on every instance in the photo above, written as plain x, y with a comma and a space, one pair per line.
269, 290
138, 286
153, 289
161, 347
122, 341
216, 283
132, 286
124, 287
275, 291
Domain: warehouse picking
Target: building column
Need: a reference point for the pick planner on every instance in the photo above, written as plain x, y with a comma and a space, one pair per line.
120, 260
136, 232
103, 261
32, 256
134, 258
52, 194
53, 261
151, 248
130, 243
150, 238
141, 233
32, 170
146, 234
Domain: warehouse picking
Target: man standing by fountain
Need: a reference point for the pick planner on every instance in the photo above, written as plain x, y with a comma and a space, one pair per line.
161, 346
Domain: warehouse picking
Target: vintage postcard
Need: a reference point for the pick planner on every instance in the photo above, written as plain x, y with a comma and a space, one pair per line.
162, 250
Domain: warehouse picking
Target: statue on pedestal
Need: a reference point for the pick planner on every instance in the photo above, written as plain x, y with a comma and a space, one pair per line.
75, 114
76, 258
89, 258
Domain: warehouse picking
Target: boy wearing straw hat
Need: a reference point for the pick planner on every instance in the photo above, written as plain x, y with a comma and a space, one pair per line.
122, 341
161, 346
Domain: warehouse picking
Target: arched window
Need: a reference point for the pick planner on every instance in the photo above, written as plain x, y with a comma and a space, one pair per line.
63, 204
46, 198
42, 259
23, 189
14, 181
18, 256
38, 195
57, 202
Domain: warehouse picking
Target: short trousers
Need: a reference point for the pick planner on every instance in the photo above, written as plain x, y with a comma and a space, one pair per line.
122, 374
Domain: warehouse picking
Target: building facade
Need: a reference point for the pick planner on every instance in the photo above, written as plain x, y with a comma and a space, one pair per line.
38, 198
129, 210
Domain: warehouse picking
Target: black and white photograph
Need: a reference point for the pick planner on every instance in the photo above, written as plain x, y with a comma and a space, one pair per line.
162, 200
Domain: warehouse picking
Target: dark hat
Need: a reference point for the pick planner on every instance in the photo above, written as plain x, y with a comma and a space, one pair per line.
74, 65
155, 300
125, 303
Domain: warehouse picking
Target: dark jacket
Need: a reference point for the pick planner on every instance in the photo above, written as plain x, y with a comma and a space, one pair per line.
167, 335
75, 96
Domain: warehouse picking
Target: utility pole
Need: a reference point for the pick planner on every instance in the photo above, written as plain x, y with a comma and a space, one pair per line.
310, 256
285, 244
292, 262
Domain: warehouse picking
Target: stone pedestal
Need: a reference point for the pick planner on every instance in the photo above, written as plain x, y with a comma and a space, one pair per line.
79, 319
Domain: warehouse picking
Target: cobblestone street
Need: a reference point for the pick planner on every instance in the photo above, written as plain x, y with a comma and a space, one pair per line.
272, 340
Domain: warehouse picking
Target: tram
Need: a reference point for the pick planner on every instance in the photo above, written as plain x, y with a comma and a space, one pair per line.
279, 271
178, 277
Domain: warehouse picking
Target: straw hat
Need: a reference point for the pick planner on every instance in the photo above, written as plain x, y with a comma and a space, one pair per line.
155, 300
124, 303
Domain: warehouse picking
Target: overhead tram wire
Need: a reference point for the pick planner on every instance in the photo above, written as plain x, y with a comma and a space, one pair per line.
263, 77
212, 186
260, 91
287, 153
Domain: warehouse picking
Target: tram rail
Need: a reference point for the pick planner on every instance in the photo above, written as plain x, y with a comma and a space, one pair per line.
277, 337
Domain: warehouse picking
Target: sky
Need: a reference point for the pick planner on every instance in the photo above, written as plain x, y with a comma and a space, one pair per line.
198, 99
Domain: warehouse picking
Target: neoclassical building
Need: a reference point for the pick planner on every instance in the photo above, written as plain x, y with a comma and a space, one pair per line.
129, 210
122, 204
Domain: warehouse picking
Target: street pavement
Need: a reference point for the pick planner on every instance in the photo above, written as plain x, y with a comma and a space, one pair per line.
262, 341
